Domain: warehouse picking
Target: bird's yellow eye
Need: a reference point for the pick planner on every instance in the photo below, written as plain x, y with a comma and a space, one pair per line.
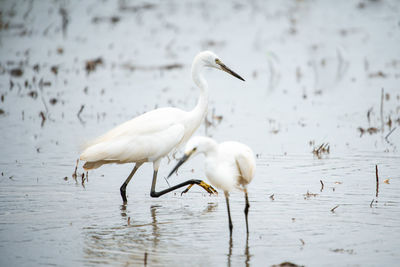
194, 149
217, 61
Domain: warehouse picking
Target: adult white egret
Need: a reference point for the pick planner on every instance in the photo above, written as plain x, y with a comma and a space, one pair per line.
153, 135
228, 165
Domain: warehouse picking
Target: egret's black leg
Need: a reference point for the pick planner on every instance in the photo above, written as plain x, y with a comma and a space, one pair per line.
122, 189
229, 212
153, 192
246, 210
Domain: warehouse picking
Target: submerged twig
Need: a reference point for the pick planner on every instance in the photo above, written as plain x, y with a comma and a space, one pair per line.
79, 114
322, 185
324, 148
64, 20
386, 137
44, 102
41, 114
370, 130
333, 209
91, 65
74, 175
370, 204
369, 116
308, 195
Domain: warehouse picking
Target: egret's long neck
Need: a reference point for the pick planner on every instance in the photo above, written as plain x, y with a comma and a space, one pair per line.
202, 103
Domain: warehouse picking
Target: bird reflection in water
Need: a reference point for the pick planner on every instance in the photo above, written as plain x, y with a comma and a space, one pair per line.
154, 223
131, 241
123, 211
246, 252
210, 207
155, 233
230, 251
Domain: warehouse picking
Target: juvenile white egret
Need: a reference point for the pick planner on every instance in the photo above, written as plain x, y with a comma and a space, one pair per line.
153, 135
228, 165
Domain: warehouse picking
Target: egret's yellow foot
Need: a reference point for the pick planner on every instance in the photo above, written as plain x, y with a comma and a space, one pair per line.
187, 189
208, 188
204, 185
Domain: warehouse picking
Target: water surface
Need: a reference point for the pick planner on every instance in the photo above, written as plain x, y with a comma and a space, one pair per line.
314, 74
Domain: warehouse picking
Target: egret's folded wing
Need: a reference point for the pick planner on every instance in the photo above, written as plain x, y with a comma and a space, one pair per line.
246, 164
145, 124
139, 147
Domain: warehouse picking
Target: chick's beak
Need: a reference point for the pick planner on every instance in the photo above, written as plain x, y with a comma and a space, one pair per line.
223, 67
181, 161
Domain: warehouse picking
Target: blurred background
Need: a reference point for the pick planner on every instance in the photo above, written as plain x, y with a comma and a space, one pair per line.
321, 101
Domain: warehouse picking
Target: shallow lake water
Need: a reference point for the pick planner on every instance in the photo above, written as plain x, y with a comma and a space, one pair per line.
316, 73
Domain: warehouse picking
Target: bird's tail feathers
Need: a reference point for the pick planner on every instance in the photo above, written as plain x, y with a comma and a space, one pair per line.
90, 165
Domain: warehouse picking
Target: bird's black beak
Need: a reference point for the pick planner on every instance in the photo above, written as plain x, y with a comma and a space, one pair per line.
227, 70
181, 161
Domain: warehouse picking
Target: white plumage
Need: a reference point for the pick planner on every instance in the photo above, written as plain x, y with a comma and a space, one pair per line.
145, 138
153, 135
228, 166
